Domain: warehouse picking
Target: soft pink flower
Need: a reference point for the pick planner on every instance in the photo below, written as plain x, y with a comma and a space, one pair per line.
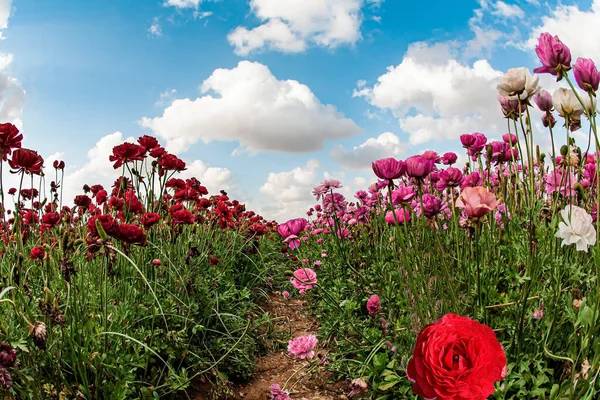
543, 99
586, 74
477, 201
285, 294
303, 346
418, 166
374, 304
510, 107
553, 54
389, 168
326, 186
304, 279
401, 215
278, 394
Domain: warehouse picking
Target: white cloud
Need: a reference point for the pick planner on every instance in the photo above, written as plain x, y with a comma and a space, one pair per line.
572, 25
385, 145
182, 3
213, 178
504, 10
437, 97
156, 28
289, 193
166, 98
12, 94
252, 107
292, 25
5, 11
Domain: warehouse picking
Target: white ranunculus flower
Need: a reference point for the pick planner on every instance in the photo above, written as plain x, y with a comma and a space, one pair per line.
518, 82
577, 228
590, 104
566, 103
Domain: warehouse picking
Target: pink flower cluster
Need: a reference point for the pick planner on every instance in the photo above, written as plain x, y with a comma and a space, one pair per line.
303, 347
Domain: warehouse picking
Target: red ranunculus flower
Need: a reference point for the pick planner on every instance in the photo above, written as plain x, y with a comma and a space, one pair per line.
456, 358
51, 218
10, 139
82, 201
149, 219
37, 253
125, 153
108, 223
132, 234
25, 160
170, 162
183, 217
101, 197
148, 142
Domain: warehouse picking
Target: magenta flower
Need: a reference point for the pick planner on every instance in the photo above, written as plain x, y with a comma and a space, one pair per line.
449, 158
554, 56
450, 177
586, 74
419, 167
431, 205
510, 107
303, 346
304, 279
326, 186
401, 215
403, 194
374, 305
389, 168
278, 394
543, 99
334, 203
509, 138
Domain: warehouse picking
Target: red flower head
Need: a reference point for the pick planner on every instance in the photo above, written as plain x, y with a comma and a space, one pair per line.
170, 162
456, 358
51, 218
182, 216
148, 142
30, 218
28, 161
10, 139
37, 253
132, 203
82, 201
108, 223
127, 152
157, 152
101, 197
116, 203
131, 234
149, 219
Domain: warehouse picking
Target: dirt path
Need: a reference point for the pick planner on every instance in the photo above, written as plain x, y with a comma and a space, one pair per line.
277, 367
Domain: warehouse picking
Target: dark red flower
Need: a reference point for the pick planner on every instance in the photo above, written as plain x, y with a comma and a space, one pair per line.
51, 218
125, 153
456, 358
108, 223
28, 194
116, 203
58, 164
12, 191
37, 253
101, 197
148, 142
214, 261
131, 234
157, 152
132, 203
183, 216
170, 162
95, 189
30, 218
149, 219
10, 139
8, 356
82, 201
25, 160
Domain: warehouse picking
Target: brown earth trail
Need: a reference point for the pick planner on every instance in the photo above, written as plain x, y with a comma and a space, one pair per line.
277, 367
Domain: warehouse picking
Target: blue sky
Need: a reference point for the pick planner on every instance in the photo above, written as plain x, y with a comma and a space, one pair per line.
315, 80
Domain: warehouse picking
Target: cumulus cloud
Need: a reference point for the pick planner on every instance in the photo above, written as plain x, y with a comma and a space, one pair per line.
156, 28
572, 24
505, 10
292, 25
436, 97
182, 3
289, 193
12, 94
214, 178
251, 106
5, 11
360, 157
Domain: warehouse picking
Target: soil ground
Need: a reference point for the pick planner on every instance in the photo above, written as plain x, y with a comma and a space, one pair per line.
278, 366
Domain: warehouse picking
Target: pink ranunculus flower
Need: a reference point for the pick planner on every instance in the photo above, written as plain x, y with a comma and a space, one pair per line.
418, 166
586, 74
401, 215
374, 305
278, 394
389, 168
543, 99
403, 194
554, 56
450, 177
477, 201
303, 346
304, 279
449, 158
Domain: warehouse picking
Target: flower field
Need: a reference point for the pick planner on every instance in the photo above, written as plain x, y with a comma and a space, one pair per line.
443, 280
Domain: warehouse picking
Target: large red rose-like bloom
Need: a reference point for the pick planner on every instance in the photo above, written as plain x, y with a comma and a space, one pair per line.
170, 162
183, 217
149, 219
456, 358
131, 234
52, 218
125, 153
10, 139
25, 160
148, 142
